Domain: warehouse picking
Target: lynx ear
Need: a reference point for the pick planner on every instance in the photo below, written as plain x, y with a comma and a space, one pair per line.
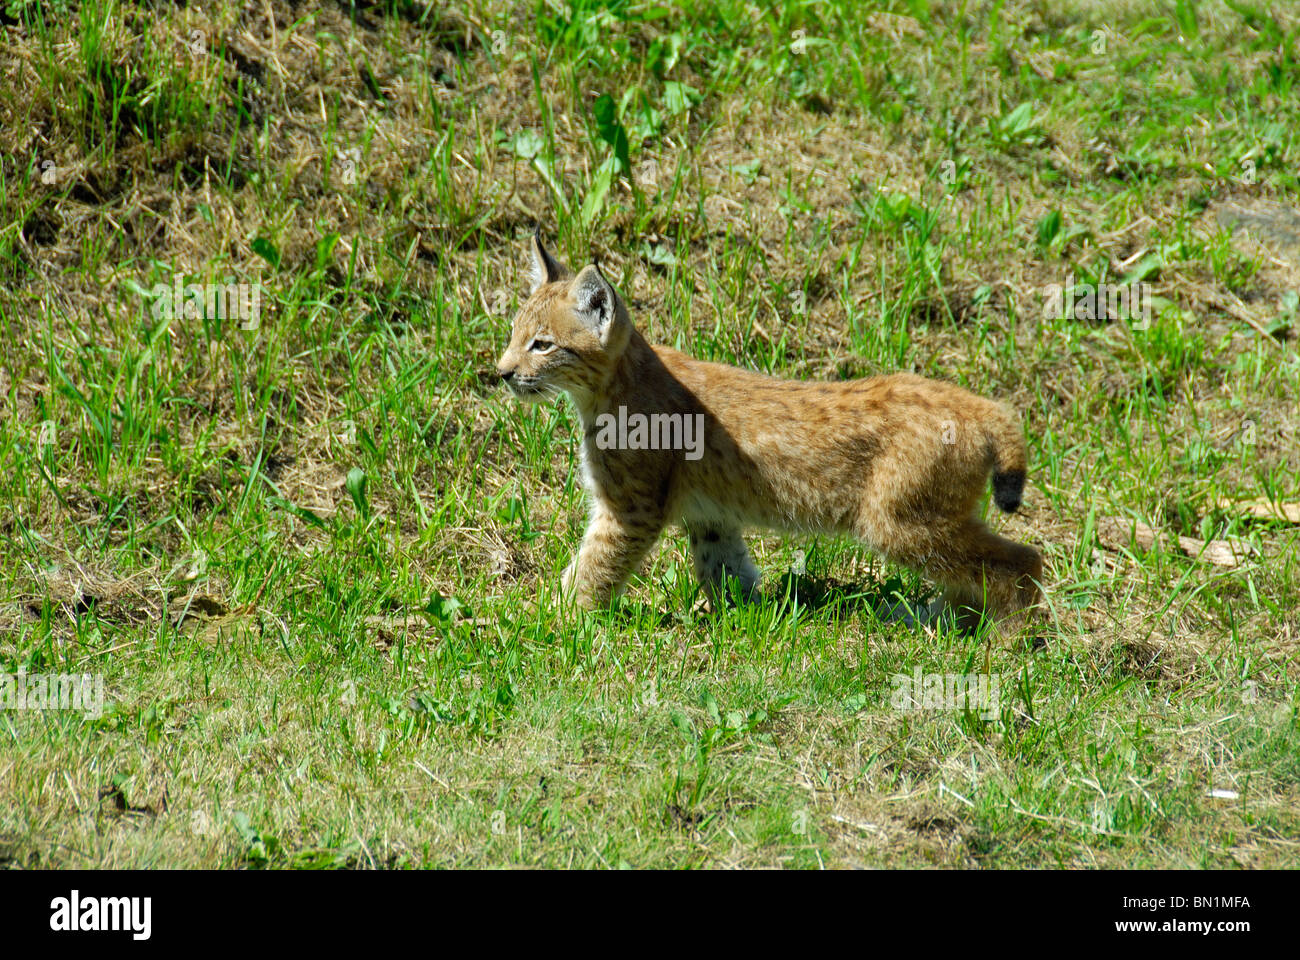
595, 301
546, 269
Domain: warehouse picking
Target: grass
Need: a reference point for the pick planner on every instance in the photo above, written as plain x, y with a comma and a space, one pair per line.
314, 555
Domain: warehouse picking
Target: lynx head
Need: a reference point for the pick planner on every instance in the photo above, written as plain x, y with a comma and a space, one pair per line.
568, 335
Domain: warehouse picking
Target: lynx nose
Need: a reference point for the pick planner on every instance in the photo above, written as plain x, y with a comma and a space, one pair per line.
506, 375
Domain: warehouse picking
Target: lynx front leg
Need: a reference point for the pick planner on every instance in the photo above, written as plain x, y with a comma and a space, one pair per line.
720, 555
612, 548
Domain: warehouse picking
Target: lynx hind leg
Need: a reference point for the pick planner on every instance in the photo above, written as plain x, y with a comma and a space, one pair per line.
989, 576
720, 556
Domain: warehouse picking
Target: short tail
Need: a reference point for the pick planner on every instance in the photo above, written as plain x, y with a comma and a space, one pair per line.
1007, 446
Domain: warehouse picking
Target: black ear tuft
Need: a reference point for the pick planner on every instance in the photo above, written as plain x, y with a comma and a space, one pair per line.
545, 268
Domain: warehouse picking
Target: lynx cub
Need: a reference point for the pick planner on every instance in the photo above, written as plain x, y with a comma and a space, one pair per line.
898, 461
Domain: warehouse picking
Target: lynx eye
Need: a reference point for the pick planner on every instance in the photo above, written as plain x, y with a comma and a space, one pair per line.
540, 346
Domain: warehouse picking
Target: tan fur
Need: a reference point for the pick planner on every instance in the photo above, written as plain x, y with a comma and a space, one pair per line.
898, 461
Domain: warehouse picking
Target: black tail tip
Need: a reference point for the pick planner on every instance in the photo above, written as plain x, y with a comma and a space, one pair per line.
1007, 489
